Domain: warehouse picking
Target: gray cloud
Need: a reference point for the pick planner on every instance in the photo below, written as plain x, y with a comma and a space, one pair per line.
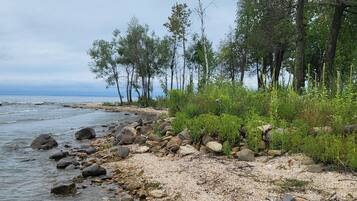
46, 41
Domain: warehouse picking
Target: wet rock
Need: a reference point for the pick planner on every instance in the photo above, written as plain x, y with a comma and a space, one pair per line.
245, 155
186, 150
174, 144
44, 141
89, 150
93, 171
64, 162
85, 133
206, 139
59, 155
350, 129
288, 197
122, 152
316, 168
214, 146
142, 149
126, 136
64, 188
140, 139
157, 194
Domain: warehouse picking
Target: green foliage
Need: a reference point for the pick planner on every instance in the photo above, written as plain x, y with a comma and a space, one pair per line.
227, 148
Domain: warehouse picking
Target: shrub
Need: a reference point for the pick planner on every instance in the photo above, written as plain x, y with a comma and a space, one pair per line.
180, 122
227, 148
177, 101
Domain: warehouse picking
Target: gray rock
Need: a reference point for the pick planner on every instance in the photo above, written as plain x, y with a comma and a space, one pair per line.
184, 135
85, 133
350, 129
153, 137
316, 168
140, 139
93, 171
288, 197
187, 150
122, 152
125, 197
44, 141
59, 155
214, 146
245, 155
126, 136
64, 162
64, 188
89, 150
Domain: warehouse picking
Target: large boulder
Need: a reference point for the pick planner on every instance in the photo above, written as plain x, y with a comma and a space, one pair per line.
126, 136
93, 171
350, 129
44, 141
64, 188
214, 146
59, 155
140, 139
245, 155
187, 150
85, 133
64, 162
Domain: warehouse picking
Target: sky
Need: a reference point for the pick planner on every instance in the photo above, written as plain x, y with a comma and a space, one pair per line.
43, 44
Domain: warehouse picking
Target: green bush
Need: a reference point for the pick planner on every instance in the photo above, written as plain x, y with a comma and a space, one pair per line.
227, 148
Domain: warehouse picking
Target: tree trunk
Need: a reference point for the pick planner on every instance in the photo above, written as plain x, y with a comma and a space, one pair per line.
242, 66
331, 48
279, 56
184, 63
131, 83
117, 84
127, 84
300, 47
203, 36
172, 65
259, 78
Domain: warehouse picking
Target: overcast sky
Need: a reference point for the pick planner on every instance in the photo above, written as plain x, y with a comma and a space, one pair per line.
43, 43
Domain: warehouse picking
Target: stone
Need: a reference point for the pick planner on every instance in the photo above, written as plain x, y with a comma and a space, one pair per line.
167, 129
274, 153
122, 152
157, 194
206, 139
174, 144
85, 133
184, 135
153, 137
315, 168
214, 146
59, 155
145, 129
204, 149
142, 149
64, 188
90, 150
140, 140
93, 171
187, 150
44, 141
245, 155
126, 136
163, 125
349, 129
152, 143
288, 197
64, 162
124, 196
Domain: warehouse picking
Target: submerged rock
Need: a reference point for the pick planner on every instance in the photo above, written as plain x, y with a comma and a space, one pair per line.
64, 188
59, 155
85, 133
246, 155
44, 141
214, 146
93, 171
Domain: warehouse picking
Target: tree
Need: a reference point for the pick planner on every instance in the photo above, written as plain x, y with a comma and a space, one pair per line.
105, 62
300, 46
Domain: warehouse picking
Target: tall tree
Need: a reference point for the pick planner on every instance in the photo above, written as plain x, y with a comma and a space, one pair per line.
300, 46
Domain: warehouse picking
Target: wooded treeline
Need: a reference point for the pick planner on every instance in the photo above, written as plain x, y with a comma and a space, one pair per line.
283, 43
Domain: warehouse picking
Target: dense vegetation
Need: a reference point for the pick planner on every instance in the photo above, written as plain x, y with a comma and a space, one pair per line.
301, 53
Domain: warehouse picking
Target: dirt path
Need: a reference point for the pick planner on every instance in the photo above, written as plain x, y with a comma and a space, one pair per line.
208, 178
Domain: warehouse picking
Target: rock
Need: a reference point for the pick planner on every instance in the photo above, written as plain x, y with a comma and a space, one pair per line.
214, 146
142, 149
126, 136
316, 168
186, 150
64, 162
152, 143
157, 194
64, 188
122, 152
350, 129
85, 133
206, 139
204, 149
140, 139
93, 170
274, 153
245, 155
44, 141
153, 137
90, 150
145, 129
174, 144
288, 197
163, 125
184, 135
59, 155
167, 138
167, 129
125, 197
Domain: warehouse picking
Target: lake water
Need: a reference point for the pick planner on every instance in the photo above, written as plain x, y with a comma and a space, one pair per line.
27, 174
